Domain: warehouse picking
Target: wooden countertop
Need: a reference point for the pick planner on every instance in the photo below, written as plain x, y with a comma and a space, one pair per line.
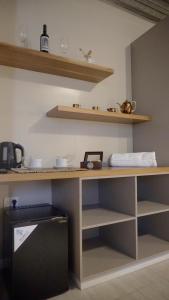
105, 172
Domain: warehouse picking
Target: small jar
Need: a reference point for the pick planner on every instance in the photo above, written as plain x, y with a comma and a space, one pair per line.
112, 109
76, 105
95, 107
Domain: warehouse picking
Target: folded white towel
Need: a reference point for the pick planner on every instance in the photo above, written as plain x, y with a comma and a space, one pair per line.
139, 159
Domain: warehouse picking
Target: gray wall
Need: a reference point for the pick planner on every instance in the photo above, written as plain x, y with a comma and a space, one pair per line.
150, 88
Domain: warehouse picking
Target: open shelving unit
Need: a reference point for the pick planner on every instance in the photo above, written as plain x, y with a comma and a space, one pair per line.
66, 112
29, 59
120, 226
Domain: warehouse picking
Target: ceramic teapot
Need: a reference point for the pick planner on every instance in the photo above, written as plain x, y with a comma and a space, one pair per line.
127, 107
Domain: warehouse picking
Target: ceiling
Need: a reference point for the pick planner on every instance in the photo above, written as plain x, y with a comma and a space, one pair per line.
154, 10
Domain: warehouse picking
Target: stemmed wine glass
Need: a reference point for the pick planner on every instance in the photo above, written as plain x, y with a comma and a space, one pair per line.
64, 45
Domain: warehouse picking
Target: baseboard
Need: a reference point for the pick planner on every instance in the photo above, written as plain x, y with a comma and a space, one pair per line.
75, 280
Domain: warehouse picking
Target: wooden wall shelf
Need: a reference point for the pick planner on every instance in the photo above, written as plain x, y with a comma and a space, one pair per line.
37, 61
67, 112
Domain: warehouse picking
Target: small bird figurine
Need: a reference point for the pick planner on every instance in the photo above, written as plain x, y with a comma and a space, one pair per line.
87, 56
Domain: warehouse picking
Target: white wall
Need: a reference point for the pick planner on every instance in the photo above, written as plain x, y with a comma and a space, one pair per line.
27, 96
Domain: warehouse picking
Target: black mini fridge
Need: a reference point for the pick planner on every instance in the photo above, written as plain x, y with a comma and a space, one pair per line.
36, 248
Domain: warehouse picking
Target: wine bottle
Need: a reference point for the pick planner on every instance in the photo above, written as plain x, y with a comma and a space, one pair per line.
44, 40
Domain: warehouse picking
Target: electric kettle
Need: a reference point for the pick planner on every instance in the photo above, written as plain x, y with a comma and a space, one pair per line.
9, 155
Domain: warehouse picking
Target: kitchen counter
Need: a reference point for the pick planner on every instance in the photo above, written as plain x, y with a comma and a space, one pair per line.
112, 201
105, 172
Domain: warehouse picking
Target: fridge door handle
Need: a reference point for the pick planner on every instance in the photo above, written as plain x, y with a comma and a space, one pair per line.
59, 219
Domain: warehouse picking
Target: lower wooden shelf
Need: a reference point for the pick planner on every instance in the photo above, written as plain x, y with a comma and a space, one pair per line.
100, 258
149, 245
66, 112
148, 208
96, 217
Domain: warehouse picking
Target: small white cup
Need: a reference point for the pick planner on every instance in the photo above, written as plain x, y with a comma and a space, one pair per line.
61, 162
36, 163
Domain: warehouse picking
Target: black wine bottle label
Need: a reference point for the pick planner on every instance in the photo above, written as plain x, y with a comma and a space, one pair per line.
44, 43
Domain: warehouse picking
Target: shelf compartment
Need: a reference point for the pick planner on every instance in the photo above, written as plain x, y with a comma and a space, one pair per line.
116, 195
153, 234
66, 112
34, 60
108, 248
154, 189
148, 208
99, 258
96, 217
150, 245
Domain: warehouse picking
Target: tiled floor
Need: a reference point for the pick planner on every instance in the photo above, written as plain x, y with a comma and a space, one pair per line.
151, 283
